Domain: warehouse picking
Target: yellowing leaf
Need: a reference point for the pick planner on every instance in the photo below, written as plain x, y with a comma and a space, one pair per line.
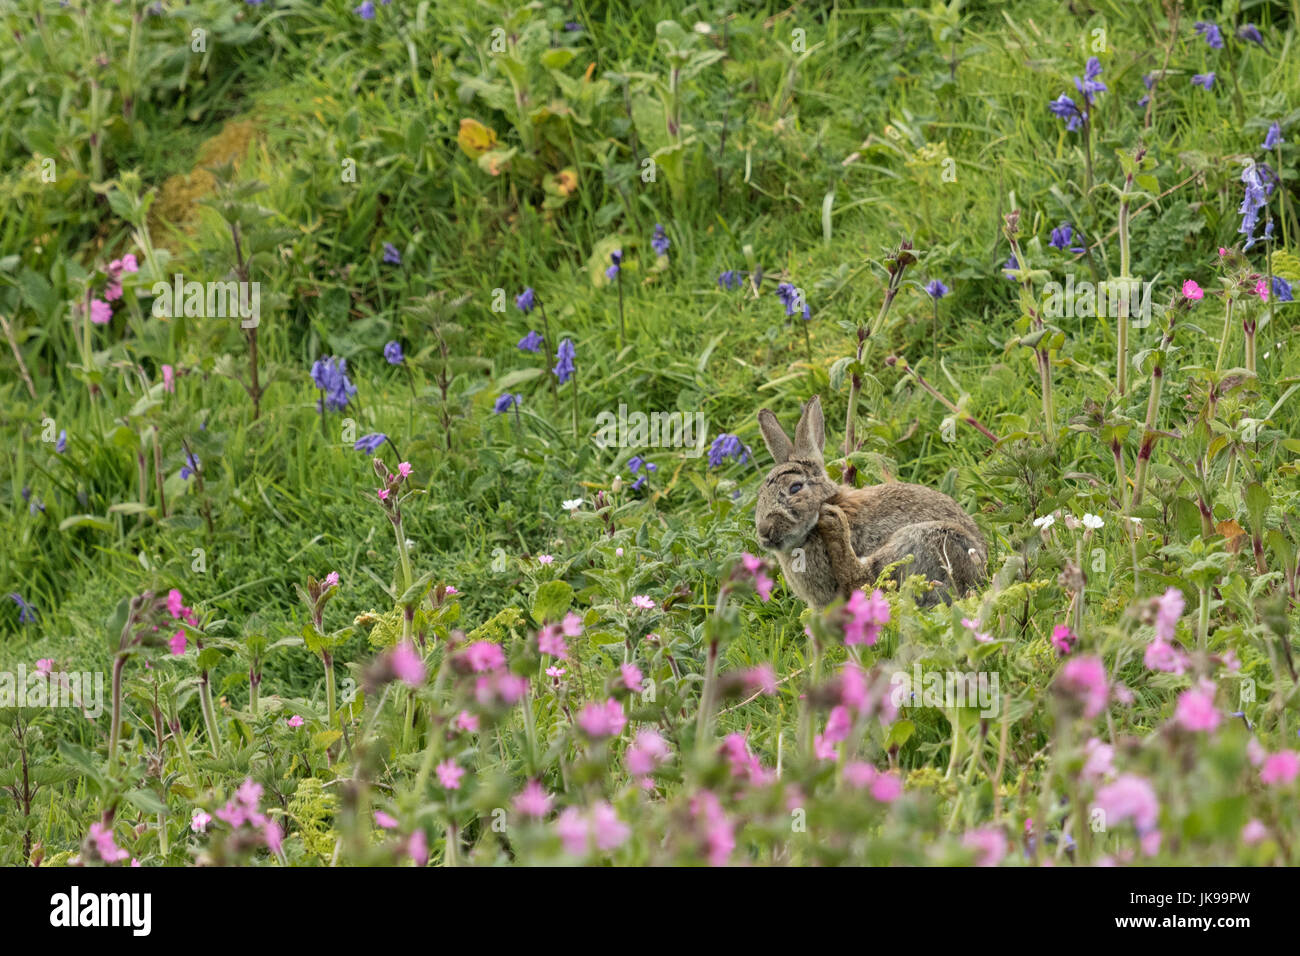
475, 138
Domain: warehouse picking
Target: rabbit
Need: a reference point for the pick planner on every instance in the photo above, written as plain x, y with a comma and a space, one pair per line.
850, 535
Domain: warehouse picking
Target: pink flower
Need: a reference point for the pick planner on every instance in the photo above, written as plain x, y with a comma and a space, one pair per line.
382, 819
1169, 608
838, 724
744, 764
973, 627
887, 787
1084, 678
1280, 768
1195, 710
332, 579
533, 800
1063, 638
1192, 290
1261, 290
101, 313
467, 722
169, 378
129, 263
500, 687
719, 832
643, 601
989, 843
1253, 832
602, 720
554, 671
112, 290
199, 821
274, 836
551, 641
407, 665
545, 559
417, 848
295, 721
572, 830
484, 656
109, 851
450, 590
177, 644
175, 603
859, 775
1098, 760
631, 677
824, 749
44, 666
1255, 752
754, 567
404, 469
610, 831
571, 625
134, 861
761, 678
864, 617
449, 774
1161, 656
647, 752
854, 692
1129, 797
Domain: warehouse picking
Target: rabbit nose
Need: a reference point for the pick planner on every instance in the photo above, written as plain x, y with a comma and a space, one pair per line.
765, 530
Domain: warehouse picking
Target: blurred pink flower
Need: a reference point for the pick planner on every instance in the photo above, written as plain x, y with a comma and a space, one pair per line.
1280, 768
1253, 832
1098, 760
632, 676
295, 721
887, 787
1192, 290
274, 836
719, 832
101, 313
1169, 608
177, 644
761, 678
332, 579
1063, 638
1195, 710
865, 617
755, 568
467, 722
169, 378
484, 656
449, 774
533, 800
417, 848
404, 469
602, 720
1084, 678
44, 666
386, 821
109, 851
644, 601
1163, 656
199, 821
990, 845
551, 641
859, 774
647, 752
407, 665
1129, 798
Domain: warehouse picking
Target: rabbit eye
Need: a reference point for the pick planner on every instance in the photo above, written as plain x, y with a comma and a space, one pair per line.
796, 487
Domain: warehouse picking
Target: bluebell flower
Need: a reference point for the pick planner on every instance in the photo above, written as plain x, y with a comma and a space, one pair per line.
1068, 110
370, 443
191, 466
366, 11
532, 342
525, 300
1250, 32
572, 27
25, 613
330, 375
1062, 236
393, 353
729, 279
1258, 179
936, 289
659, 241
1274, 137
1282, 290
792, 298
634, 463
391, 255
727, 446
1211, 33
616, 264
1011, 263
564, 367
506, 401
1090, 85
1203, 79
61, 445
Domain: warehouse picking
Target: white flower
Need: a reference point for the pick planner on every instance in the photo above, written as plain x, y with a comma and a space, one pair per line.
1092, 521
571, 504
1137, 521
1045, 522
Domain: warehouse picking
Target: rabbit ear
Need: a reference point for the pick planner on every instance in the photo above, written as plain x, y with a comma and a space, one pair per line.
778, 442
810, 433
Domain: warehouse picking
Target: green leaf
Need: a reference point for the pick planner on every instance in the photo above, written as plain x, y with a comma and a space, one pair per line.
551, 601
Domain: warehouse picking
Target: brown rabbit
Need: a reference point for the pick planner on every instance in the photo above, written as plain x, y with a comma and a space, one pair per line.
799, 507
